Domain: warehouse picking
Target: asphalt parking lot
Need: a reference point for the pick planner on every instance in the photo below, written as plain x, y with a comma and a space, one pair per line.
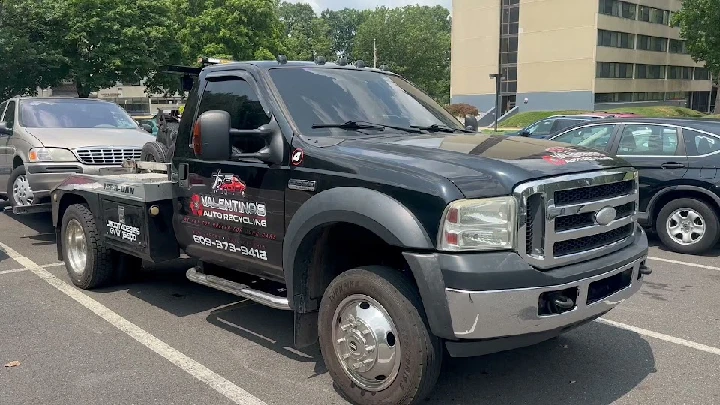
162, 339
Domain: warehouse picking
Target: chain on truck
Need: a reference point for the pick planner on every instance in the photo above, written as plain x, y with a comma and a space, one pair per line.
394, 233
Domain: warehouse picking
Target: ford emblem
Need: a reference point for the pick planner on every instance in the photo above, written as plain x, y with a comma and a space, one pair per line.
605, 216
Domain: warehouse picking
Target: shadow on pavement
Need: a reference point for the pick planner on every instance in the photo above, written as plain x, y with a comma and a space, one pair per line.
595, 364
41, 223
267, 327
165, 286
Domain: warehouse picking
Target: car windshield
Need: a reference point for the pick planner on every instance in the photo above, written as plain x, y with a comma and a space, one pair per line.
73, 113
317, 96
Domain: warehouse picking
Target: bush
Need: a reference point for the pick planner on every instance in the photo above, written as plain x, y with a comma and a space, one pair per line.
461, 110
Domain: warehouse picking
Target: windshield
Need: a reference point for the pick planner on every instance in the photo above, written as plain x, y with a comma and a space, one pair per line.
73, 113
334, 96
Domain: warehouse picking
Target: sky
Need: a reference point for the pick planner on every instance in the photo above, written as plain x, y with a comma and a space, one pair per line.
320, 5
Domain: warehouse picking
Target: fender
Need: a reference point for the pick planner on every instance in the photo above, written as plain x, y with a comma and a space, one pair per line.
375, 211
656, 197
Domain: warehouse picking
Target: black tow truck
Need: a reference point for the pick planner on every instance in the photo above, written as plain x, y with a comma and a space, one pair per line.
393, 232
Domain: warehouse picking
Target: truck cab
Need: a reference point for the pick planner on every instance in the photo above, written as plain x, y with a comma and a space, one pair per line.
354, 200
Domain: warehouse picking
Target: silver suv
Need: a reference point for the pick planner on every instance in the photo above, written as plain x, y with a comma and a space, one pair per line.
44, 140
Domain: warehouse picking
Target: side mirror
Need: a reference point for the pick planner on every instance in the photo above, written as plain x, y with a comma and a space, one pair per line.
147, 128
212, 137
4, 129
471, 123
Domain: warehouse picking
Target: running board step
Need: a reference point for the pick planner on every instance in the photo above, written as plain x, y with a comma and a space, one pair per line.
241, 290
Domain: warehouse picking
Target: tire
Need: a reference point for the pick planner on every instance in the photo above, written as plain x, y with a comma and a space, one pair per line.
420, 353
154, 152
707, 215
99, 264
18, 172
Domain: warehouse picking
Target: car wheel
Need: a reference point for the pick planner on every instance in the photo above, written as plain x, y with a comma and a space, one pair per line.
375, 339
88, 262
19, 192
688, 226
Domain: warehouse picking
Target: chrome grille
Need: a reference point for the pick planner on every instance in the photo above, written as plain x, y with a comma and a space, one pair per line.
107, 155
557, 216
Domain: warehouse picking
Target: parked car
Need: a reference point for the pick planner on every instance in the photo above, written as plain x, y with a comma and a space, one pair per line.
552, 125
678, 162
44, 140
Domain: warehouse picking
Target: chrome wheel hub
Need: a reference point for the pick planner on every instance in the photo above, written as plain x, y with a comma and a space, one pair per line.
75, 247
686, 226
22, 193
366, 342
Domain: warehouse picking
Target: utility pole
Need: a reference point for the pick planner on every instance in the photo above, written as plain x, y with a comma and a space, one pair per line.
374, 54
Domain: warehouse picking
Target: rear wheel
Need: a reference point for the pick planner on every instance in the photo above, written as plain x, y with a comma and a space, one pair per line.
375, 339
687, 225
88, 262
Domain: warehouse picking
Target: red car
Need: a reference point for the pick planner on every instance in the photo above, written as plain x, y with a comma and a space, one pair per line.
232, 185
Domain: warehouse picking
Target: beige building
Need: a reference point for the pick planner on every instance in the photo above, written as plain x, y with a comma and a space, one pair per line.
573, 54
130, 96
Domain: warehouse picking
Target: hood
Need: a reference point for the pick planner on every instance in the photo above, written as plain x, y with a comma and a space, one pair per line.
482, 165
72, 138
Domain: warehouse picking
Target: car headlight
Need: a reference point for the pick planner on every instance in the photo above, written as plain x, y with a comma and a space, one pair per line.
483, 224
51, 155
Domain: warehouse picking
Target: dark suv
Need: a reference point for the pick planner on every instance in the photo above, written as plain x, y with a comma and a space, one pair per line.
678, 162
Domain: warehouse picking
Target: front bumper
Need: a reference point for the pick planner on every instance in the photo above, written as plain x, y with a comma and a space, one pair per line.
472, 299
43, 177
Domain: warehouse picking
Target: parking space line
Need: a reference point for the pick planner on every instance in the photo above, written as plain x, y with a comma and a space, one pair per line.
702, 266
661, 336
20, 270
190, 366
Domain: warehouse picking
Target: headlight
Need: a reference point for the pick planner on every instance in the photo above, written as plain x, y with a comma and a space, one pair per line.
487, 224
51, 155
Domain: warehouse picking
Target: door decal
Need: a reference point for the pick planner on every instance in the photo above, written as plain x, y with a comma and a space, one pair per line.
228, 183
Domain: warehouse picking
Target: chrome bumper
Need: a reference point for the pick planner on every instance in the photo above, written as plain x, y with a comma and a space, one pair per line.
501, 313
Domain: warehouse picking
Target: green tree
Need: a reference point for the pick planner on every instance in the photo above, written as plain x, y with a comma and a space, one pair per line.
344, 25
109, 41
414, 41
30, 59
306, 36
699, 22
230, 29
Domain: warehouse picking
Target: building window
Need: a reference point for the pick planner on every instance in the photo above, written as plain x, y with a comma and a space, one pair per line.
617, 8
702, 74
676, 95
613, 70
510, 20
659, 16
677, 46
643, 13
616, 39
656, 44
649, 72
508, 50
510, 2
679, 72
613, 97
653, 96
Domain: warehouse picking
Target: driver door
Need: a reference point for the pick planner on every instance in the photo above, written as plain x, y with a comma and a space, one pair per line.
595, 136
233, 212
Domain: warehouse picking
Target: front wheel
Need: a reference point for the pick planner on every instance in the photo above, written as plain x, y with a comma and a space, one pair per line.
688, 226
375, 339
19, 192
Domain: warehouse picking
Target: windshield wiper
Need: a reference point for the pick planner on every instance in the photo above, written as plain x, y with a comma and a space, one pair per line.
439, 128
359, 125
